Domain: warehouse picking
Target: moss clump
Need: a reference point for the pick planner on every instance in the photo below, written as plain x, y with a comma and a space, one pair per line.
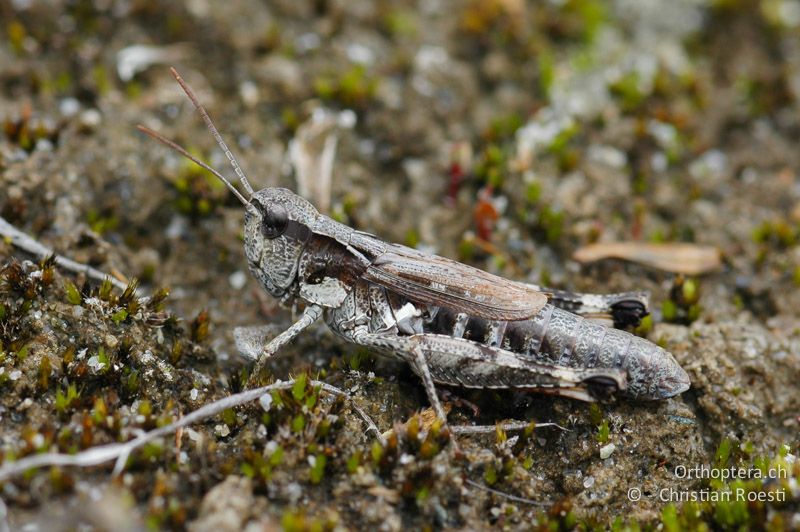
26, 132
683, 304
778, 233
198, 193
742, 502
352, 87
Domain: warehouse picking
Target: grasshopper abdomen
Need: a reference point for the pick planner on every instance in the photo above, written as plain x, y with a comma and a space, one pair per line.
558, 337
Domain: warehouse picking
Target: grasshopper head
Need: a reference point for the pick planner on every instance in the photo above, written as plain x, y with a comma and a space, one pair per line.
277, 225
278, 222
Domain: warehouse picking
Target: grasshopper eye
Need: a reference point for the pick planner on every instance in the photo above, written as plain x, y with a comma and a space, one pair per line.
274, 222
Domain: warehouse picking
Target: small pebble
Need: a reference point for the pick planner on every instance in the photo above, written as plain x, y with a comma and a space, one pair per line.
248, 91
221, 430
237, 280
111, 341
265, 401
91, 118
607, 450
294, 491
95, 364
69, 107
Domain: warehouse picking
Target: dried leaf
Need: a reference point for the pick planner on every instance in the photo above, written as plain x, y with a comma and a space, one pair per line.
688, 259
312, 152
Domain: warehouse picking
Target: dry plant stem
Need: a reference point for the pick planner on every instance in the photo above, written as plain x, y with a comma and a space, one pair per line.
4, 517
508, 427
36, 248
503, 494
121, 451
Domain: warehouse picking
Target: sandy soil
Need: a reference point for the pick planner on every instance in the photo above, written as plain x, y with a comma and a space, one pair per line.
502, 133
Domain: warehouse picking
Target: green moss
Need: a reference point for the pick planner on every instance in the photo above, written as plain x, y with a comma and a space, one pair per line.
298, 423
412, 238
102, 221
603, 432
198, 192
669, 310
723, 452
778, 233
101, 79
131, 381
99, 411
65, 399
299, 387
353, 462
645, 327
547, 69
490, 475
595, 414
16, 36
22, 353
145, 408
229, 417
119, 316
399, 23
318, 469
669, 519
199, 327
551, 224
353, 87
73, 294
491, 167
683, 305
503, 127
533, 192
627, 91
45, 369
105, 290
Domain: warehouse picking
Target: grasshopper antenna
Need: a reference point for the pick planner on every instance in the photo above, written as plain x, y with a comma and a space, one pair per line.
164, 140
207, 119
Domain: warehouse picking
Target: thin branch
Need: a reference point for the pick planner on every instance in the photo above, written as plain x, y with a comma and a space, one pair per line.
505, 495
4, 517
36, 248
121, 451
508, 427
371, 426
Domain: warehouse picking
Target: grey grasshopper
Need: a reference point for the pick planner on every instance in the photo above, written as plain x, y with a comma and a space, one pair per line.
452, 323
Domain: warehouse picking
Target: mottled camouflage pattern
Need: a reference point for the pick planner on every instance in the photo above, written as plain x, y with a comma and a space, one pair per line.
446, 325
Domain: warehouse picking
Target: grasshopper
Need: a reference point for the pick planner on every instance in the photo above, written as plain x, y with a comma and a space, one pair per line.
452, 323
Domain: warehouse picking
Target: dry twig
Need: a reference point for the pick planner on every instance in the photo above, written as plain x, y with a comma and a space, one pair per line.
36, 248
121, 451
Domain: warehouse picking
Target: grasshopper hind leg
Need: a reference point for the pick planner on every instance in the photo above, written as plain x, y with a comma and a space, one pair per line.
624, 309
446, 360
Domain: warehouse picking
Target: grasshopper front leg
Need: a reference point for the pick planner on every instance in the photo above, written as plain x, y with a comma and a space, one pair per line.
311, 314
